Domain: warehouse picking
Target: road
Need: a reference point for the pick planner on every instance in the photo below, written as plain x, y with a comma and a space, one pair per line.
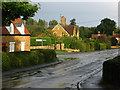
76, 68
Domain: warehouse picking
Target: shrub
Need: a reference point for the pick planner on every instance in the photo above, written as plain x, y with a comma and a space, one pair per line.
33, 41
113, 41
111, 71
49, 55
6, 64
87, 47
108, 44
92, 46
82, 47
102, 46
23, 59
97, 46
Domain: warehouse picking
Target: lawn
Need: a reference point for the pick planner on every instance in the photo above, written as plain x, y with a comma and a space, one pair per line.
61, 52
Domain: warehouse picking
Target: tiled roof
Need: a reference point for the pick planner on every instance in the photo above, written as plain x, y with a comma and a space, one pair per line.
70, 28
18, 20
3, 30
16, 31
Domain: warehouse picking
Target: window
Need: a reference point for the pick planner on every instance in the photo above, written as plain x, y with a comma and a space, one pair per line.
12, 47
22, 46
18, 24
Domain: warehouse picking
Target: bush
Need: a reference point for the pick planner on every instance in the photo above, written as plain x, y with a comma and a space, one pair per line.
108, 45
87, 47
97, 46
6, 64
33, 41
92, 46
23, 59
102, 46
111, 71
49, 55
82, 47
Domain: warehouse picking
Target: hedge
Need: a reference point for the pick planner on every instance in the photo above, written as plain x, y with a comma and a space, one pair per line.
25, 59
111, 71
49, 55
102, 46
92, 46
108, 45
33, 41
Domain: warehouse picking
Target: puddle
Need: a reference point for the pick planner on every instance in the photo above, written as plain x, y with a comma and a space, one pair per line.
60, 85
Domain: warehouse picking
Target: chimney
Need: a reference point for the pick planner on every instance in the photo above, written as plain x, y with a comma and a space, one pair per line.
98, 33
113, 33
63, 20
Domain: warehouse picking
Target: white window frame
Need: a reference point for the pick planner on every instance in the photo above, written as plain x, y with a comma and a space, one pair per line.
10, 48
22, 47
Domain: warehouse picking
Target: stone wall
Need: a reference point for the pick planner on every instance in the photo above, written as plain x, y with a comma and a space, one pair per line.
56, 47
17, 40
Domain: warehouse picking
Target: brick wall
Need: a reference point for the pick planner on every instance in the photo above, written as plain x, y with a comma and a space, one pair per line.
59, 31
17, 40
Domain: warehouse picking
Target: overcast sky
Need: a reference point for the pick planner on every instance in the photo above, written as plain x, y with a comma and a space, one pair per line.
86, 13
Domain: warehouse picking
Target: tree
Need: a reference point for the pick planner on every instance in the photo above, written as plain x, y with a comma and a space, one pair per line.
84, 32
13, 10
52, 23
107, 26
43, 23
73, 22
36, 30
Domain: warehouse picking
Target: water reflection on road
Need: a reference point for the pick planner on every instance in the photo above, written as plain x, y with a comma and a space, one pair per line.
76, 67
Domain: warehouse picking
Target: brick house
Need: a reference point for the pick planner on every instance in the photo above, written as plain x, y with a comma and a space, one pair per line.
62, 29
16, 36
99, 35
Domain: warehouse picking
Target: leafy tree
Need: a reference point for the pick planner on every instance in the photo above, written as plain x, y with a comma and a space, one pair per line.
30, 22
43, 23
36, 30
73, 22
107, 26
84, 32
117, 30
52, 23
13, 10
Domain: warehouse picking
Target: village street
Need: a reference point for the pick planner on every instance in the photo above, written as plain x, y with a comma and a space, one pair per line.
76, 67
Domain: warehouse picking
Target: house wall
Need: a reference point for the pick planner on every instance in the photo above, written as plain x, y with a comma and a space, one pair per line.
17, 40
59, 31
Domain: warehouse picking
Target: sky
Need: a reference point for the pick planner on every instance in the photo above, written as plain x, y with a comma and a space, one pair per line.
88, 14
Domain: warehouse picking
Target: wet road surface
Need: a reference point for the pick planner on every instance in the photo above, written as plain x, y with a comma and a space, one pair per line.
76, 67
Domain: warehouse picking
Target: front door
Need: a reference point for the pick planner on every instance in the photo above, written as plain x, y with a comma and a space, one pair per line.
12, 47
22, 46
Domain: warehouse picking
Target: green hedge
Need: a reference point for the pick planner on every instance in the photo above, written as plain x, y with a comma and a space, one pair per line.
111, 71
33, 41
92, 46
24, 59
49, 55
102, 46
108, 45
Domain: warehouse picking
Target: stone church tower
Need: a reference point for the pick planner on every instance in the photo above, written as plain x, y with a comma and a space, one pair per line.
63, 20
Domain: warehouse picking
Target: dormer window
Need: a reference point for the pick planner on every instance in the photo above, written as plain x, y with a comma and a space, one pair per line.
18, 24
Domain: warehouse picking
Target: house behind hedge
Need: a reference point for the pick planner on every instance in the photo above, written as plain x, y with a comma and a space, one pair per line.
16, 36
62, 29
